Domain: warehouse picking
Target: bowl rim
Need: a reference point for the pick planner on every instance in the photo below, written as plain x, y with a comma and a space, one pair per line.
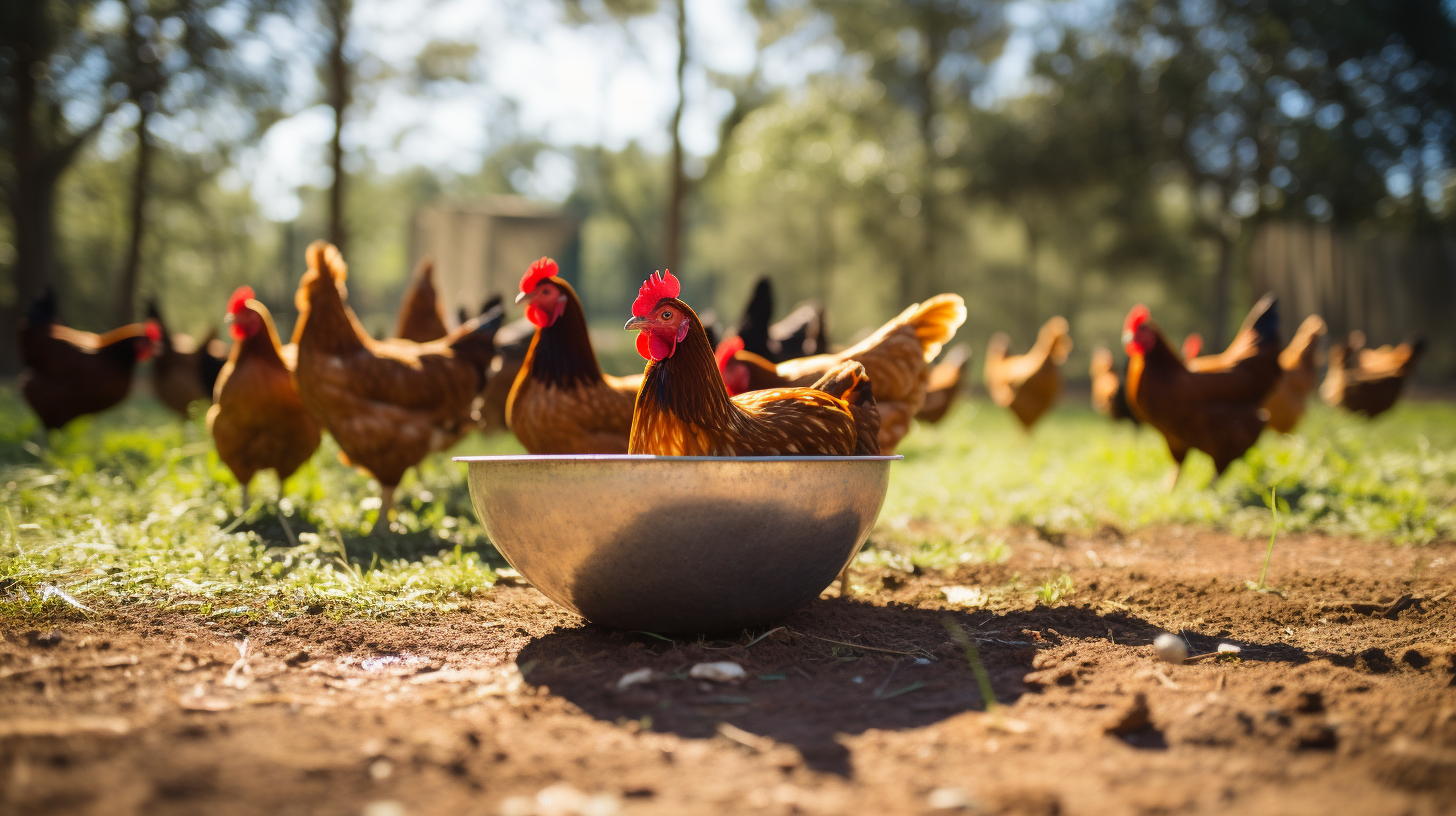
647, 457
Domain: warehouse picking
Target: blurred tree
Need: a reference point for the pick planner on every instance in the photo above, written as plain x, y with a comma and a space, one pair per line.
1253, 105
927, 55
175, 59
336, 75
57, 94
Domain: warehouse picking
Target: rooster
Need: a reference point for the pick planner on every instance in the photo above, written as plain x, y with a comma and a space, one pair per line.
69, 373
1217, 412
1109, 391
257, 419
895, 357
184, 371
1369, 381
420, 318
683, 408
1030, 383
388, 403
561, 401
945, 384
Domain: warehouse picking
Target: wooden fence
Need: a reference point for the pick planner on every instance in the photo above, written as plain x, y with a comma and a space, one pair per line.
1387, 284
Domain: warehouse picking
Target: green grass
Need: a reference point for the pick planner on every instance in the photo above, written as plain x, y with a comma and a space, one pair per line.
133, 506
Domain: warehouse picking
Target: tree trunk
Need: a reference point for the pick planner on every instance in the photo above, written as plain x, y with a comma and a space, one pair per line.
673, 253
140, 188
1032, 316
338, 100
1222, 280
29, 208
927, 282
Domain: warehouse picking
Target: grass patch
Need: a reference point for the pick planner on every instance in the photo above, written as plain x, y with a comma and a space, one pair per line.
134, 506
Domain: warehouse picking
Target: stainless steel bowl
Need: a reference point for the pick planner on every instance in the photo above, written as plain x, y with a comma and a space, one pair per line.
679, 543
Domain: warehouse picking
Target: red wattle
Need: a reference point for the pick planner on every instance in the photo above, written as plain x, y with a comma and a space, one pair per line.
537, 316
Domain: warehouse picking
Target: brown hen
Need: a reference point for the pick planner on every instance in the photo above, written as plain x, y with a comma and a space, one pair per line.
420, 317
1369, 381
257, 420
1029, 384
387, 403
561, 401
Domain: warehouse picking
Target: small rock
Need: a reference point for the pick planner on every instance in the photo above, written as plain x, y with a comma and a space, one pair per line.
1132, 718
724, 671
1227, 648
949, 799
381, 769
633, 678
384, 808
1170, 648
968, 596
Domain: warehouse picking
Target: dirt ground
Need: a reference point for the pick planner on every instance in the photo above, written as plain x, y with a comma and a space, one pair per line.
1341, 700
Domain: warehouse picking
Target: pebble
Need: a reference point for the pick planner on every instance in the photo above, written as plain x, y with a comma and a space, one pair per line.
724, 671
1170, 648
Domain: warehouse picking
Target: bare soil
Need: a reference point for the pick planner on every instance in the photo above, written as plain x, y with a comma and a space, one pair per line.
1342, 699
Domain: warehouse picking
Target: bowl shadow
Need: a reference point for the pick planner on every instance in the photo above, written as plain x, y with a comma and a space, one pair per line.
813, 675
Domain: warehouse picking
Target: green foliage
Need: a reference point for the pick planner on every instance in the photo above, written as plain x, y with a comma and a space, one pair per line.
1055, 590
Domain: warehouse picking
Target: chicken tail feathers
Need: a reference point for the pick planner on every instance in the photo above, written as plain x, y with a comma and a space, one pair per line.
757, 316
1265, 317
935, 321
850, 382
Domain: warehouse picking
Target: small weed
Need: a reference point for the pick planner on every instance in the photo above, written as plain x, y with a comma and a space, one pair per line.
973, 657
1273, 504
1055, 590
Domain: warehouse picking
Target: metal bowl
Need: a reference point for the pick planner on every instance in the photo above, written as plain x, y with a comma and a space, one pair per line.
679, 543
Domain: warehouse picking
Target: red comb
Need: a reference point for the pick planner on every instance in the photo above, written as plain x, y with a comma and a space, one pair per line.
1192, 344
539, 271
1136, 318
153, 330
726, 349
658, 285
241, 296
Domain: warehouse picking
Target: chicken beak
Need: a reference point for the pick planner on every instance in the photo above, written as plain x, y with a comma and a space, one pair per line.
522, 296
637, 323
1126, 337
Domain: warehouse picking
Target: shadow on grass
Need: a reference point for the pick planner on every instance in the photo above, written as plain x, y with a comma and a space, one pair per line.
807, 683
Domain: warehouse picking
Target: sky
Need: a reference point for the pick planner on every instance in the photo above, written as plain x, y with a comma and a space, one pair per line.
607, 84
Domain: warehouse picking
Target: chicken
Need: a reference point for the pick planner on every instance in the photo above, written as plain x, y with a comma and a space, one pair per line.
184, 370
512, 343
1109, 390
561, 401
945, 384
683, 408
895, 357
388, 403
1029, 384
1369, 381
1217, 412
1300, 366
420, 318
1297, 364
69, 373
799, 334
257, 419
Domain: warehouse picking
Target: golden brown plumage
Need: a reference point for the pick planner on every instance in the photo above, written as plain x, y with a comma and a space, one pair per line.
1109, 392
944, 384
683, 408
257, 420
387, 403
1029, 384
69, 373
896, 358
1369, 381
1217, 412
561, 401
1300, 366
420, 318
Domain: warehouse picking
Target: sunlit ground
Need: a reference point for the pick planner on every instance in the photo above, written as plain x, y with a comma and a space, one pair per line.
134, 505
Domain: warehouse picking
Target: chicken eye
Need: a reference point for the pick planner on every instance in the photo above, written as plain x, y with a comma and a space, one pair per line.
667, 315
